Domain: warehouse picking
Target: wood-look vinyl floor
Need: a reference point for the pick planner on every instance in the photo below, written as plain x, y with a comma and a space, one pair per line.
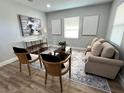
13, 81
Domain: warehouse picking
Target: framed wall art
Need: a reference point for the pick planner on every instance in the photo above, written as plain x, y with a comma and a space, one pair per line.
90, 25
56, 27
29, 25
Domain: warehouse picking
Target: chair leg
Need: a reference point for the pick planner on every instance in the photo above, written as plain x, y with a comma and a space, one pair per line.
60, 78
69, 73
29, 69
40, 62
45, 78
20, 66
69, 68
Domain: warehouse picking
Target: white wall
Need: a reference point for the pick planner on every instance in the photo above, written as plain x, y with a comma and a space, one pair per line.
9, 25
102, 10
115, 4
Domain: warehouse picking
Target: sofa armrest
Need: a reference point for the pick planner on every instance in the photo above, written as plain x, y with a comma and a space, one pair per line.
102, 60
88, 49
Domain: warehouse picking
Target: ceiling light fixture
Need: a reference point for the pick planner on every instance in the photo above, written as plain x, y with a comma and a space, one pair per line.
48, 5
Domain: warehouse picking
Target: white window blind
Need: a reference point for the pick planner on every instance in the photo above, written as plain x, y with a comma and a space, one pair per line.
118, 26
71, 27
117, 34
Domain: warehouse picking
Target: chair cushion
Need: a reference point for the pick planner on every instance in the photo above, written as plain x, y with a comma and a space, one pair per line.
108, 50
93, 41
22, 50
52, 58
62, 56
96, 48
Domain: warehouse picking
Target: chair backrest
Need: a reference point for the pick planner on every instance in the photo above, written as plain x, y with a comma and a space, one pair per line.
54, 68
22, 58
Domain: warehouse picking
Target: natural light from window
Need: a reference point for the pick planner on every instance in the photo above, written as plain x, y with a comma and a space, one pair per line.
118, 26
71, 27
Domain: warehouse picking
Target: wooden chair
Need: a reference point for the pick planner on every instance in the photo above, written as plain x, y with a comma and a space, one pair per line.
55, 69
24, 60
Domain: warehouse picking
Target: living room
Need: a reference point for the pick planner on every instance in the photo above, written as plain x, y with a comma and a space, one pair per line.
84, 27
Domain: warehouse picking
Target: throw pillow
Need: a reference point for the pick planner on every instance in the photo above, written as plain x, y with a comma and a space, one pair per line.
108, 50
22, 50
101, 40
96, 48
93, 41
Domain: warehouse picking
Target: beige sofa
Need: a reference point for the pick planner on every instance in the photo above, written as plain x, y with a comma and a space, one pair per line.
102, 59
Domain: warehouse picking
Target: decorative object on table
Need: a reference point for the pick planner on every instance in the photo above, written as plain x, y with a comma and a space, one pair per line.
50, 53
29, 25
62, 54
63, 45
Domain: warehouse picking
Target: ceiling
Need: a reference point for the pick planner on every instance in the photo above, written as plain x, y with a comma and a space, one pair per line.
59, 4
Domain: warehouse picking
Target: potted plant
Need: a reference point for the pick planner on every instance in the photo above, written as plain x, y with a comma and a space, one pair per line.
62, 44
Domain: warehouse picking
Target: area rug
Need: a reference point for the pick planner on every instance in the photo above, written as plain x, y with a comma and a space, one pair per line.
77, 72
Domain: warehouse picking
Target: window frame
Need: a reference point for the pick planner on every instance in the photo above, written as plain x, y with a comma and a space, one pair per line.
117, 25
78, 27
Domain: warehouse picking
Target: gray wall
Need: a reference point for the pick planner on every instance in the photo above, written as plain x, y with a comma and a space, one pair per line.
102, 10
115, 4
9, 25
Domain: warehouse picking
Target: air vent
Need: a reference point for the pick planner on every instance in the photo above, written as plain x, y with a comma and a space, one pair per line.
30, 0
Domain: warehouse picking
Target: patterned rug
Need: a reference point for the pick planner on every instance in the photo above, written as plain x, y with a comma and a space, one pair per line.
78, 74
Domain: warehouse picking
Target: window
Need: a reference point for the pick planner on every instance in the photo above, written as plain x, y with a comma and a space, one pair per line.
71, 27
118, 26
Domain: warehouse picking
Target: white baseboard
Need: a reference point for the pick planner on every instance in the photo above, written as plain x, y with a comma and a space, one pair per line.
79, 48
121, 80
8, 61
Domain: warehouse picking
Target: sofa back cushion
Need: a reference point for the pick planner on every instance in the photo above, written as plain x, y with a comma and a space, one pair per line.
96, 48
101, 40
116, 54
93, 41
108, 50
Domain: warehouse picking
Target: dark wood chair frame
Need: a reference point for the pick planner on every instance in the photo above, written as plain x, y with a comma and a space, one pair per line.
24, 60
54, 69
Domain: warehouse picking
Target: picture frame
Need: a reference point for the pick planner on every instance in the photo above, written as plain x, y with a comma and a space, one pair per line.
90, 25
56, 27
29, 25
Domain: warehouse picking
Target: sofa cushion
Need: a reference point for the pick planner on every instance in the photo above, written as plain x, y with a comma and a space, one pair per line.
101, 40
96, 48
108, 50
93, 41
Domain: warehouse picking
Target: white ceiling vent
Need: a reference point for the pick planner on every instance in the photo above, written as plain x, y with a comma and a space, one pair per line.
30, 0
